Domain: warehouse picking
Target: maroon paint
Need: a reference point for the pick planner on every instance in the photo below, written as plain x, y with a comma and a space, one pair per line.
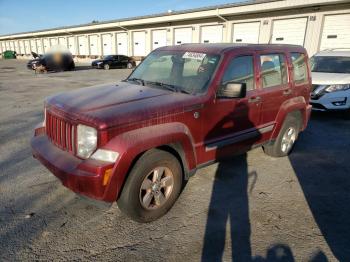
131, 119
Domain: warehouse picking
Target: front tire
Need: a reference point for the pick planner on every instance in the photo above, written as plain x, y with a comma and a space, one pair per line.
152, 186
129, 66
286, 138
106, 67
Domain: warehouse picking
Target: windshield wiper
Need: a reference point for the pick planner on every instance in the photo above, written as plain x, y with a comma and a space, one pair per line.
166, 86
138, 80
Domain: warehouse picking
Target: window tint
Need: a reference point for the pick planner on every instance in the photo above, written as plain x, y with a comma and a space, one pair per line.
273, 70
241, 70
299, 68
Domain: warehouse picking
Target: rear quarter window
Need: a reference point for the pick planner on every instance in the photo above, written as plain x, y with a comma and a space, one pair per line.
299, 68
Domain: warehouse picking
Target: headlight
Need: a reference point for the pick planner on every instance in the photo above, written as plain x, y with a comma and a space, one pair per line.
98, 63
87, 140
334, 88
105, 155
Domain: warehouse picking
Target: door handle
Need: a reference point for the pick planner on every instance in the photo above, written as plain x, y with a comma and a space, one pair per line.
254, 99
287, 91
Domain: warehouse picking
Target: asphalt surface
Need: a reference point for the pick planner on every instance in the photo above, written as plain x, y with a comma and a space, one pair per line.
250, 208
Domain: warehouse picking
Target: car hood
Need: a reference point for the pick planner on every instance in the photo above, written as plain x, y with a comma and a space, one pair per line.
319, 78
113, 105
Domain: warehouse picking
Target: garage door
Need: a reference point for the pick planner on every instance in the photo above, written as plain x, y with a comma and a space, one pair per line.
71, 45
62, 41
12, 46
159, 38
27, 47
18, 51
39, 46
21, 47
289, 31
246, 33
336, 32
33, 46
93, 41
139, 43
46, 45
211, 34
82, 45
107, 44
53, 41
182, 35
122, 43
3, 46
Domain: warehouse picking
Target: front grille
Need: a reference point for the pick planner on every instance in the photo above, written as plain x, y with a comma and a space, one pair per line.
60, 132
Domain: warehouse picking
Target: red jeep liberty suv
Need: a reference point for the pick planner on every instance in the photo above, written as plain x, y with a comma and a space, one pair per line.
182, 108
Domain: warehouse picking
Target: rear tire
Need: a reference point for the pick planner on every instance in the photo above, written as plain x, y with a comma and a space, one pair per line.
145, 198
106, 67
286, 138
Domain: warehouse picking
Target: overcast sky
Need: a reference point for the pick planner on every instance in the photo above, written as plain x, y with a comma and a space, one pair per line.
21, 16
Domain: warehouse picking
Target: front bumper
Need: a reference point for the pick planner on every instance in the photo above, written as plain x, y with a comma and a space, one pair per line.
81, 176
336, 101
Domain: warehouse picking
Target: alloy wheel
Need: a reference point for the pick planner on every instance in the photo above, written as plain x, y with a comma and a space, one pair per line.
156, 188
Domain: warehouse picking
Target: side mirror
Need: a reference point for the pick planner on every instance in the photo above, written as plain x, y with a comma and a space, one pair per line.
233, 90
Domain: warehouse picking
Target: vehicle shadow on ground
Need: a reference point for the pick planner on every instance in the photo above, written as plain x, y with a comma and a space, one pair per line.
229, 199
229, 204
83, 67
325, 181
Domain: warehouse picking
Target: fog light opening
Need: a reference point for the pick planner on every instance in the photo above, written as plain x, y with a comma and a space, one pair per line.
340, 103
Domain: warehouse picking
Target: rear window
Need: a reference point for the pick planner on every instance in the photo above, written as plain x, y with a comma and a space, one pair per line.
299, 68
330, 64
273, 70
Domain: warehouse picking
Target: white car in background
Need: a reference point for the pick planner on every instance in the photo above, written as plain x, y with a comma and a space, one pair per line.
331, 80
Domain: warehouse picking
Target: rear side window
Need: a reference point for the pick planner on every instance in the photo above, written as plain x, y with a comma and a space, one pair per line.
299, 68
273, 70
240, 70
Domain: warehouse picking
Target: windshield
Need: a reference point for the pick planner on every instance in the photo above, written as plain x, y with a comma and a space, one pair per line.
187, 72
330, 64
108, 57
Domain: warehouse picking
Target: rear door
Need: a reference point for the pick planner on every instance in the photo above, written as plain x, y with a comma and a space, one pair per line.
275, 85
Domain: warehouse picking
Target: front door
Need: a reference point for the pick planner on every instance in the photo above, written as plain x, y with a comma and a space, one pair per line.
232, 124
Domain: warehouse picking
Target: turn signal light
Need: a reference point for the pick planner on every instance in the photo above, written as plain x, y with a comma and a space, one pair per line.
107, 176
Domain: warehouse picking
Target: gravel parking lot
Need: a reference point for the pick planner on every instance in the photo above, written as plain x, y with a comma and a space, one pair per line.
249, 208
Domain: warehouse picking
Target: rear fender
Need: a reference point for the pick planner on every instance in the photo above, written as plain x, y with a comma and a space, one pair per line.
131, 144
289, 106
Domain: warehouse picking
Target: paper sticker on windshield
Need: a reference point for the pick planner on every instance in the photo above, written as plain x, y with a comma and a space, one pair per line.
194, 55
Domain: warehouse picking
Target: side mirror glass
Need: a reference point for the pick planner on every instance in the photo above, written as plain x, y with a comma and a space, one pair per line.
232, 90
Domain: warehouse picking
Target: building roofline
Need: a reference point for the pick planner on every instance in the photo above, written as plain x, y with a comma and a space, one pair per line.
192, 10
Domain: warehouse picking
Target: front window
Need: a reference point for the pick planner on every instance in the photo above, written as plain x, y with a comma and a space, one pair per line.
180, 71
330, 64
241, 70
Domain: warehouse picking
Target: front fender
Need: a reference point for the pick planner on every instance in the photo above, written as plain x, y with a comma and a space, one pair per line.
132, 143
